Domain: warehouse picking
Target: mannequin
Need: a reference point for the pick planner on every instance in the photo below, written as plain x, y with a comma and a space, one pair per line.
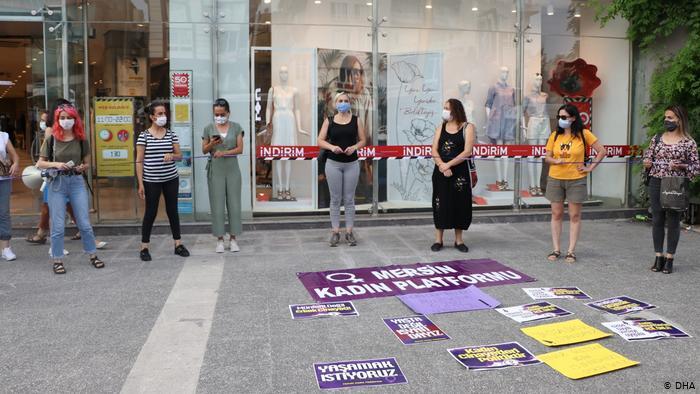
538, 128
284, 114
465, 88
500, 121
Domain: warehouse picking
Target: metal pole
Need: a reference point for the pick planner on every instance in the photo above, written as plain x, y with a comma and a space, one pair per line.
375, 104
520, 54
86, 101
214, 51
64, 50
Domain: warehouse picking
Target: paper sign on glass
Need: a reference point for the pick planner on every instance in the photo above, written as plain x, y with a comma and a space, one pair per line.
303, 311
497, 356
531, 312
584, 361
543, 293
564, 333
343, 374
620, 305
469, 299
415, 329
640, 330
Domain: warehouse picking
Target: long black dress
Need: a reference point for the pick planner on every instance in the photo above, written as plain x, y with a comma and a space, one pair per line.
452, 197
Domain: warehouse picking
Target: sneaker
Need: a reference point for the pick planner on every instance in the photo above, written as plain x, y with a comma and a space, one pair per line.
335, 238
182, 251
65, 252
350, 239
8, 255
220, 246
145, 255
100, 245
234, 246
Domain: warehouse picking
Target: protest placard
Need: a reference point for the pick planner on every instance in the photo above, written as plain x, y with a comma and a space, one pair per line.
303, 311
621, 305
544, 293
532, 312
564, 333
342, 374
640, 330
584, 361
415, 329
469, 299
496, 356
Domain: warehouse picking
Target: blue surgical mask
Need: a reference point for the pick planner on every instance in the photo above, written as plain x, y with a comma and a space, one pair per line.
343, 106
564, 124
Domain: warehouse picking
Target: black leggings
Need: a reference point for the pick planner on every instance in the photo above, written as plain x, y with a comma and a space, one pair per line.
152, 190
661, 217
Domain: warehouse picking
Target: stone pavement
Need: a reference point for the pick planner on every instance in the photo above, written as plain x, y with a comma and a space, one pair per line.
220, 323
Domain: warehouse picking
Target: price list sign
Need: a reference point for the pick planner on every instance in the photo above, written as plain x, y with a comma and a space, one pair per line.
114, 136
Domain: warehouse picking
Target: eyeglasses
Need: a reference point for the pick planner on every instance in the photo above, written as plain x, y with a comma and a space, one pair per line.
564, 117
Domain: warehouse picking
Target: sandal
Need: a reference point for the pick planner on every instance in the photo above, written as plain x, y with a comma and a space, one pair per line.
58, 268
554, 256
570, 257
36, 238
96, 262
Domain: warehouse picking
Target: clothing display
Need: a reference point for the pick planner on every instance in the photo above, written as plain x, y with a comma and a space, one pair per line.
452, 196
500, 100
284, 123
535, 106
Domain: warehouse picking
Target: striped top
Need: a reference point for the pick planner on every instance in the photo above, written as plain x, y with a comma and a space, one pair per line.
154, 168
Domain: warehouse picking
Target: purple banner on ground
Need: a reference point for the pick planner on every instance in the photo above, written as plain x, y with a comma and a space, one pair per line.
303, 311
461, 300
620, 305
393, 280
415, 329
343, 374
501, 355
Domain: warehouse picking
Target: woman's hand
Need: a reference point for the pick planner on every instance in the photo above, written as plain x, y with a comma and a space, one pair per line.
14, 169
141, 192
447, 173
585, 169
218, 154
558, 161
677, 165
337, 150
80, 168
168, 157
61, 166
646, 163
350, 150
443, 167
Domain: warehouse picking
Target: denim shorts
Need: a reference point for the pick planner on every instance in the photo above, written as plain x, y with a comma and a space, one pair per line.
571, 190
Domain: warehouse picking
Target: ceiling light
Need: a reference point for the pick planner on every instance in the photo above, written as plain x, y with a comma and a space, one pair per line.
577, 12
268, 1
268, 22
429, 6
93, 63
41, 52
475, 7
317, 1
28, 66
24, 71
140, 25
514, 10
80, 62
369, 3
6, 83
550, 10
33, 59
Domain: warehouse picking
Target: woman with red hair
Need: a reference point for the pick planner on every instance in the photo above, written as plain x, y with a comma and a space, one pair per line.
66, 155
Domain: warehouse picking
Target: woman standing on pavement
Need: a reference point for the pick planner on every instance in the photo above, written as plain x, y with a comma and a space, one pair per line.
452, 188
156, 150
66, 152
342, 135
673, 153
9, 167
566, 153
223, 141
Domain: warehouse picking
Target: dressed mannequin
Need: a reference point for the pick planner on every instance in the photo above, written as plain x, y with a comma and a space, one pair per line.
500, 121
465, 88
284, 114
538, 128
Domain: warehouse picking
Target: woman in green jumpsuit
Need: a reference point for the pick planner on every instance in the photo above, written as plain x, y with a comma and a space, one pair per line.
223, 140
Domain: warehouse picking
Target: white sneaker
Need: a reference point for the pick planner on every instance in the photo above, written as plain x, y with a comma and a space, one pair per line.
8, 255
65, 252
100, 245
220, 246
234, 246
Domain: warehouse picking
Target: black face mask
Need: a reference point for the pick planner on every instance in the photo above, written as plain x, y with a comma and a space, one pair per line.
670, 125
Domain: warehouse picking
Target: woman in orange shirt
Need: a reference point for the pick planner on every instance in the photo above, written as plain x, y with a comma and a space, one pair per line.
567, 175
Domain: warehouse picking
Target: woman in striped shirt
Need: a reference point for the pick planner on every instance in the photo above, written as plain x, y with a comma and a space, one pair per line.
156, 150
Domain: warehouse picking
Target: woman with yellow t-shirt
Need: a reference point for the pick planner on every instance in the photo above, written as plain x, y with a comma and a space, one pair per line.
567, 175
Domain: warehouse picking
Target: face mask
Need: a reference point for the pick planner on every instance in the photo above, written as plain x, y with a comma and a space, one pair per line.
343, 107
220, 119
670, 125
161, 120
564, 124
66, 124
42, 125
446, 115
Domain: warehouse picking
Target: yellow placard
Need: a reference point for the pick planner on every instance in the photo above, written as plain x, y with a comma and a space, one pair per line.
584, 361
114, 136
182, 112
564, 333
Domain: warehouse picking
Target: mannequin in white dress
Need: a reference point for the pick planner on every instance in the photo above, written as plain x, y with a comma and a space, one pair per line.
500, 121
284, 114
537, 130
465, 88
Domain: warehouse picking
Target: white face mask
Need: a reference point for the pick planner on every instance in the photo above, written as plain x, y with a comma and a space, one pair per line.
446, 115
42, 125
564, 124
66, 124
161, 120
220, 119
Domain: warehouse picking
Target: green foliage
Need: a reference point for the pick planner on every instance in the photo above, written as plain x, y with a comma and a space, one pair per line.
676, 80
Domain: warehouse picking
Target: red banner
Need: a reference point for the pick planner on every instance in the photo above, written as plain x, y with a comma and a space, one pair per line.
425, 151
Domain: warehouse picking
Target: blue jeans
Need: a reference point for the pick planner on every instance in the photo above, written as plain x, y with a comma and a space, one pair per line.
72, 188
5, 224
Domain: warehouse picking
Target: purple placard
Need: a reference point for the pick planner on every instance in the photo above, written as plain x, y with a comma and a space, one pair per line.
620, 305
533, 312
461, 300
501, 355
658, 327
304, 311
415, 329
393, 280
342, 374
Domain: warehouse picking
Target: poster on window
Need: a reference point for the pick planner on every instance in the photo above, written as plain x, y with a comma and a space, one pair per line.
114, 136
132, 76
181, 125
414, 108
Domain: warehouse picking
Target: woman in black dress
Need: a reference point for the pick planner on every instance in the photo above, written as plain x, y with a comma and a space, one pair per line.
452, 189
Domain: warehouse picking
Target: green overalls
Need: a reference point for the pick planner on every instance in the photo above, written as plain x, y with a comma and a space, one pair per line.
224, 179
